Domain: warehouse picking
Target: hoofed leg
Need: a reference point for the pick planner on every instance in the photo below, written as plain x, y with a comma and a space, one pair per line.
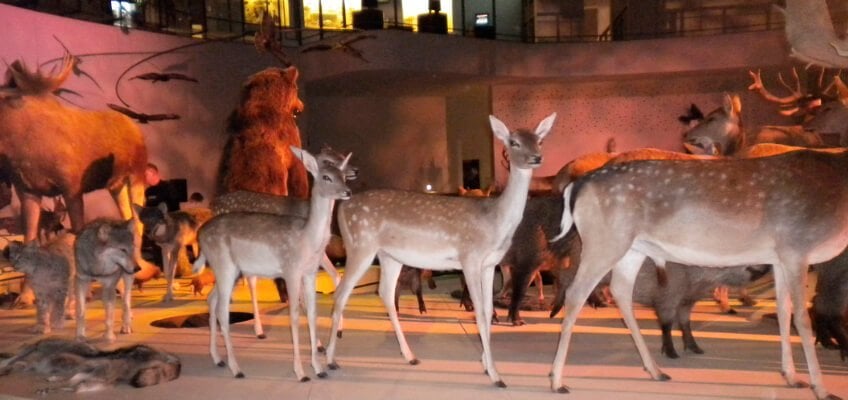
389, 272
796, 281
312, 321
257, 322
212, 300
623, 278
595, 263
293, 286
358, 261
486, 309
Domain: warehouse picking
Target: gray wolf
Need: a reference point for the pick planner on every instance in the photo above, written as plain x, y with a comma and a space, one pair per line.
104, 252
49, 270
79, 367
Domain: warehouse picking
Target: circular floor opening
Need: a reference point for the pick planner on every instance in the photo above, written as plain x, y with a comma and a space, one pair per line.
197, 320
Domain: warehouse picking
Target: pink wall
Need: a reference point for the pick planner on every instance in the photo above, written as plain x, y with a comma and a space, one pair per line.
396, 111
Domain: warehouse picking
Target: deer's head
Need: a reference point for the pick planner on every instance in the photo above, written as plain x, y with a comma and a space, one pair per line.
329, 156
719, 132
522, 147
329, 180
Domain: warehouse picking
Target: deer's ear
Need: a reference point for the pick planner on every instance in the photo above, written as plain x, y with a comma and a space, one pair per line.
545, 126
499, 129
308, 160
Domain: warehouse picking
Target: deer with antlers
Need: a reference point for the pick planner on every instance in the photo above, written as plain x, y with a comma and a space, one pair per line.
439, 233
50, 150
268, 245
788, 210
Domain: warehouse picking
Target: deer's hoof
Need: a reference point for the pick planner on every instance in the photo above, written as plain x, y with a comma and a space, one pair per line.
500, 384
664, 377
333, 366
304, 379
339, 334
414, 361
800, 385
563, 390
322, 375
261, 336
240, 375
322, 350
221, 364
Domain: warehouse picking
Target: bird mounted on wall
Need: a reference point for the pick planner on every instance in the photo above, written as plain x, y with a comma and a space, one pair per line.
164, 77
141, 117
343, 45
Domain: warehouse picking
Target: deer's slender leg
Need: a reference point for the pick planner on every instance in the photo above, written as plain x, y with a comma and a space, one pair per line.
623, 277
358, 261
782, 300
293, 286
796, 274
487, 309
257, 323
311, 320
389, 272
592, 269
212, 300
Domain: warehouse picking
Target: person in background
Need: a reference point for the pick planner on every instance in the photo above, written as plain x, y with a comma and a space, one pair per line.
158, 190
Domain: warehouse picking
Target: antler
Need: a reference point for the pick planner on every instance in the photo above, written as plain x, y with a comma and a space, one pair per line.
795, 93
38, 83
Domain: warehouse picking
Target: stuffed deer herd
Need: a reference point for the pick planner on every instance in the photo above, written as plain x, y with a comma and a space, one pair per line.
767, 197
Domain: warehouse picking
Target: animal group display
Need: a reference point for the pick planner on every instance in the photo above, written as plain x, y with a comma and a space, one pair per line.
651, 226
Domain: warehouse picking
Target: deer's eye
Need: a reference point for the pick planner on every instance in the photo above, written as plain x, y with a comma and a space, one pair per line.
513, 143
326, 178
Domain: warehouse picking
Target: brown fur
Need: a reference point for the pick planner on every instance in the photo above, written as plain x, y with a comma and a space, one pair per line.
257, 156
79, 367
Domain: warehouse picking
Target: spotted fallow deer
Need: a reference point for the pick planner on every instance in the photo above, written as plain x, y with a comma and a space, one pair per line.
268, 245
789, 210
438, 233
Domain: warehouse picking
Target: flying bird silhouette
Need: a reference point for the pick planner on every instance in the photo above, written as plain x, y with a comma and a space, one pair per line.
140, 117
164, 77
343, 45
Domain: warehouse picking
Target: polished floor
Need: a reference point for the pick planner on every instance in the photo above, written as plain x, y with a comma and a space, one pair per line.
742, 359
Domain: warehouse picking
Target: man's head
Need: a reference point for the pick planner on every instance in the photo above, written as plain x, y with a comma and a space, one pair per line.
151, 175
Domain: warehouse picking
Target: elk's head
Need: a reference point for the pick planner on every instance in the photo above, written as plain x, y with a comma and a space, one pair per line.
21, 81
522, 147
719, 132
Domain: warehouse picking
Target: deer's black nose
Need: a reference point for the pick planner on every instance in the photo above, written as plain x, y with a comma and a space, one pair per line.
537, 159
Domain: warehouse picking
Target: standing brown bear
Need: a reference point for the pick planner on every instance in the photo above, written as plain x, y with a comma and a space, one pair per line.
257, 157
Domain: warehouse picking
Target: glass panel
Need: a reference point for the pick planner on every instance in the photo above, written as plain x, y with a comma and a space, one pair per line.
412, 8
334, 14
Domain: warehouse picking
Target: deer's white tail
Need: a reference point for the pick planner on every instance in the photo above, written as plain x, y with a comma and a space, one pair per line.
199, 264
567, 218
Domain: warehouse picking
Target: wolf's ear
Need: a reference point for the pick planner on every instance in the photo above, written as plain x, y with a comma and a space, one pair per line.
103, 232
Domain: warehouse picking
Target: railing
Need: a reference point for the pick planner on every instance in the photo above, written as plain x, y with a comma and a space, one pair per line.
674, 22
